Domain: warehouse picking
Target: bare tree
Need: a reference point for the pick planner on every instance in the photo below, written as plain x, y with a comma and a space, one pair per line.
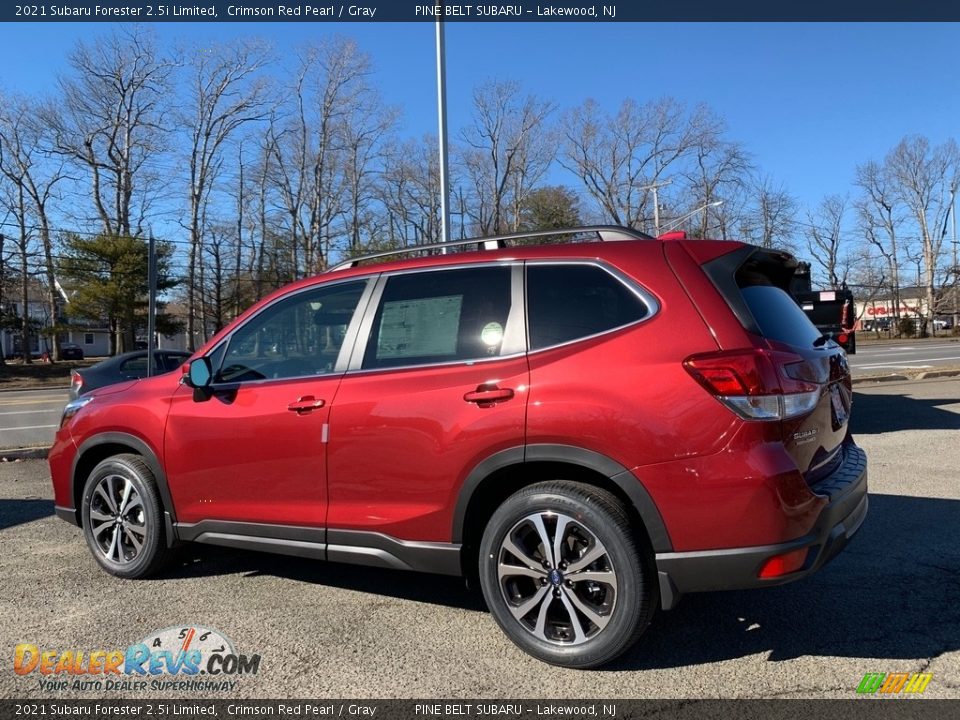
926, 178
825, 239
225, 94
411, 193
365, 131
508, 149
720, 169
618, 157
14, 199
880, 219
310, 147
22, 161
770, 221
109, 121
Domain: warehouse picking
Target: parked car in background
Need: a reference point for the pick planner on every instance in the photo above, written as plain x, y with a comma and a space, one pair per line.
129, 366
70, 351
880, 324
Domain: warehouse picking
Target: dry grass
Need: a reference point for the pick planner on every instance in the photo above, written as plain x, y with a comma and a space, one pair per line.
17, 375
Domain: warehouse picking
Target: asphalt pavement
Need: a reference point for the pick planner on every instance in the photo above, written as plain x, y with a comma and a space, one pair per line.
886, 604
29, 418
879, 358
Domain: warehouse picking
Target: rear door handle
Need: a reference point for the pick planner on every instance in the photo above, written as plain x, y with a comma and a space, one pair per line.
487, 395
305, 404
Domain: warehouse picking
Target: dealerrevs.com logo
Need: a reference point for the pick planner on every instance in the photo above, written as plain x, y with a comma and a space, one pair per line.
185, 658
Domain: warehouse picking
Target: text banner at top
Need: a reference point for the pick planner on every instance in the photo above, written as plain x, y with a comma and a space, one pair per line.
146, 11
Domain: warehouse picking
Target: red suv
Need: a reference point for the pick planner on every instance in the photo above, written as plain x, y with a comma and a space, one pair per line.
591, 429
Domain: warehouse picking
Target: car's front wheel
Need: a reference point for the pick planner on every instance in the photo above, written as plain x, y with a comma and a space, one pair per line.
123, 517
564, 576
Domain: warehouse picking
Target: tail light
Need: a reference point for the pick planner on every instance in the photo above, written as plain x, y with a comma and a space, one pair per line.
842, 338
76, 381
757, 384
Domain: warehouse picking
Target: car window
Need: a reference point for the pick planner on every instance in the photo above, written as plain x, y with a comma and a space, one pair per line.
295, 337
440, 316
779, 317
568, 302
135, 367
171, 362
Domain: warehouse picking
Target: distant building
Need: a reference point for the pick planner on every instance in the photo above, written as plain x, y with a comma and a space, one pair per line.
913, 304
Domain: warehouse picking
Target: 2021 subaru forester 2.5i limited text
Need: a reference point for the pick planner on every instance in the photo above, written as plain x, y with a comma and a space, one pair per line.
591, 429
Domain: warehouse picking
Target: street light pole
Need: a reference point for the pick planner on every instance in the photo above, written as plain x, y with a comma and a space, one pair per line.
442, 113
678, 221
151, 303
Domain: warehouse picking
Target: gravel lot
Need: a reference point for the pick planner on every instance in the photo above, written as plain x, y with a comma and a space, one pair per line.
887, 604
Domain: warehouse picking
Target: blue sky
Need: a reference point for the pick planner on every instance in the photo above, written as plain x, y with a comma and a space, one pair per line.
809, 101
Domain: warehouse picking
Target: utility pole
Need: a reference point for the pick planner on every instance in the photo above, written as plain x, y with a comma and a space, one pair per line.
152, 302
654, 187
955, 268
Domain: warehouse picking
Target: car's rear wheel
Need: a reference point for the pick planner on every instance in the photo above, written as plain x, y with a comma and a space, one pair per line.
123, 517
564, 576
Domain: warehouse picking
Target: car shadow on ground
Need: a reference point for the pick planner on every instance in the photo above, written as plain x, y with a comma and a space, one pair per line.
890, 594
874, 413
200, 560
18, 512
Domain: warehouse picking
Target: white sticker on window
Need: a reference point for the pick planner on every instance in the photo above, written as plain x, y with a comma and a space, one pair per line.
425, 327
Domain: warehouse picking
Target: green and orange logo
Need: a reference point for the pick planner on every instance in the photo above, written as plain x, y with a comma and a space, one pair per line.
894, 683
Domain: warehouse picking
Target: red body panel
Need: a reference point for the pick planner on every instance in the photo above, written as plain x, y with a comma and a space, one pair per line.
748, 494
402, 442
248, 457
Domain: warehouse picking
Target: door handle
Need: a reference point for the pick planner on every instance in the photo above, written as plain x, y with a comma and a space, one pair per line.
305, 404
487, 395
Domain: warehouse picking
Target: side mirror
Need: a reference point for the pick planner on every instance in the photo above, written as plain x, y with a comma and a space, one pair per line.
199, 373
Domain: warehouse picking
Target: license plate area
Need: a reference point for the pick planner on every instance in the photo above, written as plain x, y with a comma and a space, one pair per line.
840, 412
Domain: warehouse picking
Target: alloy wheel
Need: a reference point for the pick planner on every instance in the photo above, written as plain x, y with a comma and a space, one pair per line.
557, 578
117, 519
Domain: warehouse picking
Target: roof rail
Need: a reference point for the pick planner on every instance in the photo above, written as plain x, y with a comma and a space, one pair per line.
606, 233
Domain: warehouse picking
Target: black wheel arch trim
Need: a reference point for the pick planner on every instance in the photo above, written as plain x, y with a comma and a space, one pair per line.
625, 480
138, 446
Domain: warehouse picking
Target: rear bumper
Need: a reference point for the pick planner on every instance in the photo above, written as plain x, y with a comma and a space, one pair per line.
738, 568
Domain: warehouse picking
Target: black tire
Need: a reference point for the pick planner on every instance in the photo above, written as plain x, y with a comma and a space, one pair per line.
130, 541
578, 623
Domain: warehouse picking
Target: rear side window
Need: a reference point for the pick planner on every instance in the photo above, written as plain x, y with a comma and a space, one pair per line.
569, 302
778, 316
135, 366
440, 316
172, 362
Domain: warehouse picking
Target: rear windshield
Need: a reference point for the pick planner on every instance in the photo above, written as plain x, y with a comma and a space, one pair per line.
778, 316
